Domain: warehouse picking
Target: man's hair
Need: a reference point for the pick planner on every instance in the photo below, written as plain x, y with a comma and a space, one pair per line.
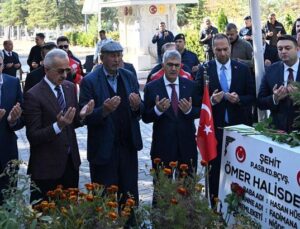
231, 26
47, 46
219, 36
162, 22
102, 31
288, 38
61, 39
52, 55
272, 15
298, 19
170, 54
6, 42
40, 35
166, 46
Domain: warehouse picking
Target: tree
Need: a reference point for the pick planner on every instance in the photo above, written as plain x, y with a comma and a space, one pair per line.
69, 12
222, 21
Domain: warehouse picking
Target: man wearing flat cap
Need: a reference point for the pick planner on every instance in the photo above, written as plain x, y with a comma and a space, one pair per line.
188, 58
113, 128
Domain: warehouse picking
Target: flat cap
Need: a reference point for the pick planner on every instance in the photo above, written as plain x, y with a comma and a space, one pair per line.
111, 46
179, 36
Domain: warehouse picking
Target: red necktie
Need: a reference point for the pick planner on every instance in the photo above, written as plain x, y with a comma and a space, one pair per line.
174, 99
290, 76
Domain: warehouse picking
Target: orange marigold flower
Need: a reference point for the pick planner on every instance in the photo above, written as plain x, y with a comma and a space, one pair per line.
112, 215
174, 201
127, 209
99, 209
167, 171
112, 204
89, 197
184, 167
73, 198
63, 210
182, 191
81, 194
204, 163
173, 164
44, 204
58, 191
63, 196
130, 202
52, 205
156, 160
113, 189
59, 186
89, 187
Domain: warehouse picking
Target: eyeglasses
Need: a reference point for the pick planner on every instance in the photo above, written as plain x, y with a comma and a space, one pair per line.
62, 71
63, 46
173, 65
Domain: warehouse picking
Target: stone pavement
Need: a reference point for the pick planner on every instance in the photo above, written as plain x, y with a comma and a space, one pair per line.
145, 180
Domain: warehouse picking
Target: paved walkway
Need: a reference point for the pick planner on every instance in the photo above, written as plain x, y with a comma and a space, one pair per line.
145, 180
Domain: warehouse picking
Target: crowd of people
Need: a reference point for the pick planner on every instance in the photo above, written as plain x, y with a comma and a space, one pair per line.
111, 107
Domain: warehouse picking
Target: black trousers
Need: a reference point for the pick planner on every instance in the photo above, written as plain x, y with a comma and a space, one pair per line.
121, 170
69, 179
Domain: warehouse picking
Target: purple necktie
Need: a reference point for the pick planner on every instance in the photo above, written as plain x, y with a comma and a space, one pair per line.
174, 99
290, 76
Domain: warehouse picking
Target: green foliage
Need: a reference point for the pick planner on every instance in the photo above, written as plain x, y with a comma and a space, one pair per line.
288, 23
13, 12
109, 18
115, 35
192, 42
69, 13
222, 21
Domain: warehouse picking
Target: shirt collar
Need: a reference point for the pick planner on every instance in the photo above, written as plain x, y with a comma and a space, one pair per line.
107, 74
167, 82
51, 85
227, 65
294, 67
1, 78
6, 52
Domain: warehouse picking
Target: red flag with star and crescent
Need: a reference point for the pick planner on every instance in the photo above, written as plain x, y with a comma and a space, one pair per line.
206, 139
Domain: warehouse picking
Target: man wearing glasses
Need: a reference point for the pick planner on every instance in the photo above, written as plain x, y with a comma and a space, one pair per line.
76, 73
51, 115
172, 104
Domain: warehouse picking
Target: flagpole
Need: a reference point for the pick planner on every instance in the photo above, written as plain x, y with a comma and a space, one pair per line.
207, 192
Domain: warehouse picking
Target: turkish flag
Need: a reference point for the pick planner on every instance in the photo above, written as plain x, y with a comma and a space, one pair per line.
206, 140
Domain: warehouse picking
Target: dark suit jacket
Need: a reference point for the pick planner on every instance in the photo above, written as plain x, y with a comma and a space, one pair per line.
241, 82
172, 136
101, 130
10, 95
271, 54
284, 113
34, 77
14, 58
48, 150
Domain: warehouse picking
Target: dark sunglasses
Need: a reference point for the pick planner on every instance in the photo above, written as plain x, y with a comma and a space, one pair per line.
173, 65
63, 46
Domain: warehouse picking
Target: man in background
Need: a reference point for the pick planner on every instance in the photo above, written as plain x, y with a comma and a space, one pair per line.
162, 37
35, 56
103, 40
274, 29
246, 32
11, 59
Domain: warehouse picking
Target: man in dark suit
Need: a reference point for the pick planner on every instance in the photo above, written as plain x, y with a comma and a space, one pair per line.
38, 74
172, 104
10, 112
113, 128
275, 86
11, 59
232, 91
51, 116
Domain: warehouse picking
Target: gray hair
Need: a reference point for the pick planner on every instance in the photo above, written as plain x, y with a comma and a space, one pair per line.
50, 57
166, 46
171, 54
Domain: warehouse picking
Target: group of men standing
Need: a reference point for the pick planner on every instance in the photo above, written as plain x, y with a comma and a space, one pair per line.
111, 107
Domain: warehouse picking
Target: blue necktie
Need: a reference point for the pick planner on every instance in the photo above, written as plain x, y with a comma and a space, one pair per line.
60, 99
224, 86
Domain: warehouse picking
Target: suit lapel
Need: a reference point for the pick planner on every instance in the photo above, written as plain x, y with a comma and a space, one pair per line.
49, 96
182, 89
298, 73
163, 89
67, 94
102, 88
4, 90
234, 77
214, 82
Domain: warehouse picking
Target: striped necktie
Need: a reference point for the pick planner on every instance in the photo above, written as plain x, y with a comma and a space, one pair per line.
60, 99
